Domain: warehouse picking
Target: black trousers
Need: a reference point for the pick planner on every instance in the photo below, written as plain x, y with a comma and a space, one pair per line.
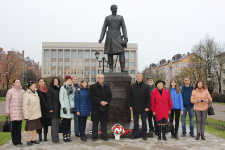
150, 116
82, 125
66, 125
177, 117
16, 132
103, 129
45, 129
136, 123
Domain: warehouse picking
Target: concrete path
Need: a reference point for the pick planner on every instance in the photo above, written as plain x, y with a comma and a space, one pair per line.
2, 108
219, 112
184, 143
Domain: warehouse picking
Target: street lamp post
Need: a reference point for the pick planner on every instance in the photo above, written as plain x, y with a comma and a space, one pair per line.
103, 60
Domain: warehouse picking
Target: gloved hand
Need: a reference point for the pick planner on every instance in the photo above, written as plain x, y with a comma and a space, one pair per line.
64, 110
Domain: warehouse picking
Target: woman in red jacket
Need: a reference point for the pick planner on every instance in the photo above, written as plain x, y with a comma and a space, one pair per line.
161, 105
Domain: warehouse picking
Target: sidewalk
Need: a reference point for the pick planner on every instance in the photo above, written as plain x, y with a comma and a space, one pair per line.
2, 108
219, 114
184, 143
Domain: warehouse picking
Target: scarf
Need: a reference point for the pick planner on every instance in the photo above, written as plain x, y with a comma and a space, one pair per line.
70, 90
43, 89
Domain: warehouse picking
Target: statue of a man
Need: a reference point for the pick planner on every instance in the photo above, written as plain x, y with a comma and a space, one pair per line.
115, 42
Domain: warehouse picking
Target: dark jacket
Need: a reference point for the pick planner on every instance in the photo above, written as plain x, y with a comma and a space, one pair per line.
139, 97
151, 88
43, 103
98, 94
186, 94
83, 102
53, 102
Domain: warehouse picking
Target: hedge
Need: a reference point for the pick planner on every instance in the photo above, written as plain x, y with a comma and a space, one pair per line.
218, 98
3, 92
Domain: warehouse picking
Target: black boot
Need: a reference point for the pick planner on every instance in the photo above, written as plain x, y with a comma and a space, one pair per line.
202, 136
156, 130
68, 137
65, 137
159, 132
197, 137
110, 62
122, 62
164, 132
40, 137
45, 137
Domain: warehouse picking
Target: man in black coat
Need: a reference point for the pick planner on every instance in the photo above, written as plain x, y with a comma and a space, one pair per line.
140, 105
101, 97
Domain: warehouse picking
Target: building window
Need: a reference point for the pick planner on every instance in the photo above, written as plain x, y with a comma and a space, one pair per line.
46, 53
46, 63
87, 79
93, 54
67, 71
86, 72
46, 71
93, 80
93, 64
53, 72
73, 54
132, 72
133, 79
87, 54
92, 72
60, 63
223, 81
67, 63
126, 64
132, 55
126, 55
53, 51
73, 64
60, 53
80, 71
80, 64
53, 63
73, 71
132, 64
80, 54
100, 72
60, 72
86, 63
67, 54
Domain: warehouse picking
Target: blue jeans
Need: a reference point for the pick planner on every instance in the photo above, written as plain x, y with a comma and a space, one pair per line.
76, 124
191, 117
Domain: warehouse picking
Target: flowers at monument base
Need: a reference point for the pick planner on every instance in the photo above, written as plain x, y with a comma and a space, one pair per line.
118, 129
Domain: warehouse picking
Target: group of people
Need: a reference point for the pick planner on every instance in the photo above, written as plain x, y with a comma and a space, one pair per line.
161, 105
42, 107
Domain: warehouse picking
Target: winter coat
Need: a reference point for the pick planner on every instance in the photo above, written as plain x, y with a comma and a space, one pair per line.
202, 94
139, 97
66, 102
43, 103
31, 105
83, 102
186, 94
177, 99
97, 95
13, 103
53, 102
161, 104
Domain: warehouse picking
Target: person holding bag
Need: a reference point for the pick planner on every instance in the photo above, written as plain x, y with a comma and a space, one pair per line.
14, 110
53, 107
67, 111
32, 112
83, 105
42, 91
200, 98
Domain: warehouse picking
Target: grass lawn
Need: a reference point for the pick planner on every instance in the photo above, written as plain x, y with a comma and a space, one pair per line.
6, 136
2, 98
213, 126
218, 103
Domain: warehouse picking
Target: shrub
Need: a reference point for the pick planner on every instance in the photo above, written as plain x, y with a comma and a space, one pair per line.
3, 92
218, 98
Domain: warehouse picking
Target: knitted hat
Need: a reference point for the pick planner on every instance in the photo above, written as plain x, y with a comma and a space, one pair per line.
30, 83
67, 77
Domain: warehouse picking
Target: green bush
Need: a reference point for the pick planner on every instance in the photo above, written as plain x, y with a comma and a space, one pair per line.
3, 92
218, 98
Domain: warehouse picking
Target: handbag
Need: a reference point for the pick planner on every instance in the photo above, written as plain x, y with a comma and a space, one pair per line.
61, 126
211, 110
7, 127
169, 127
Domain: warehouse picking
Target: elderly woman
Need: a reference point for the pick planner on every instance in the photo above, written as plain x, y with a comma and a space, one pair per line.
200, 98
83, 107
42, 92
32, 112
161, 105
67, 93
13, 108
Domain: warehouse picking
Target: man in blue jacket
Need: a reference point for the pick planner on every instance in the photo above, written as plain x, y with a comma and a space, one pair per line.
188, 107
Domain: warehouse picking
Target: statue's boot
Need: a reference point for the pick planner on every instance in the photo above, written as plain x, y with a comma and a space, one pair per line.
122, 62
110, 61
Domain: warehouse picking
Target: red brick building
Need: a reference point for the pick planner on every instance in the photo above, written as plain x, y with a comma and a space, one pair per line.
15, 65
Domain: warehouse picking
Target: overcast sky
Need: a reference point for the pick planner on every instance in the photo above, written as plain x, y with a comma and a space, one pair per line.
162, 28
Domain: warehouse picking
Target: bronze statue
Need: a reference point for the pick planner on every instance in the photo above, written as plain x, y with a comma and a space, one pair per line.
115, 42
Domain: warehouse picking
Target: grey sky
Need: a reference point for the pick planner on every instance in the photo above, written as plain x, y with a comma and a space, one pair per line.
162, 28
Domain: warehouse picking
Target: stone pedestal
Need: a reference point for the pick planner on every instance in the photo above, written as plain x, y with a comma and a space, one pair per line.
120, 86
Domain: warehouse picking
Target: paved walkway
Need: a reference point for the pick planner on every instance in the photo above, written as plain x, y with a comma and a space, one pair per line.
184, 143
2, 108
219, 112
